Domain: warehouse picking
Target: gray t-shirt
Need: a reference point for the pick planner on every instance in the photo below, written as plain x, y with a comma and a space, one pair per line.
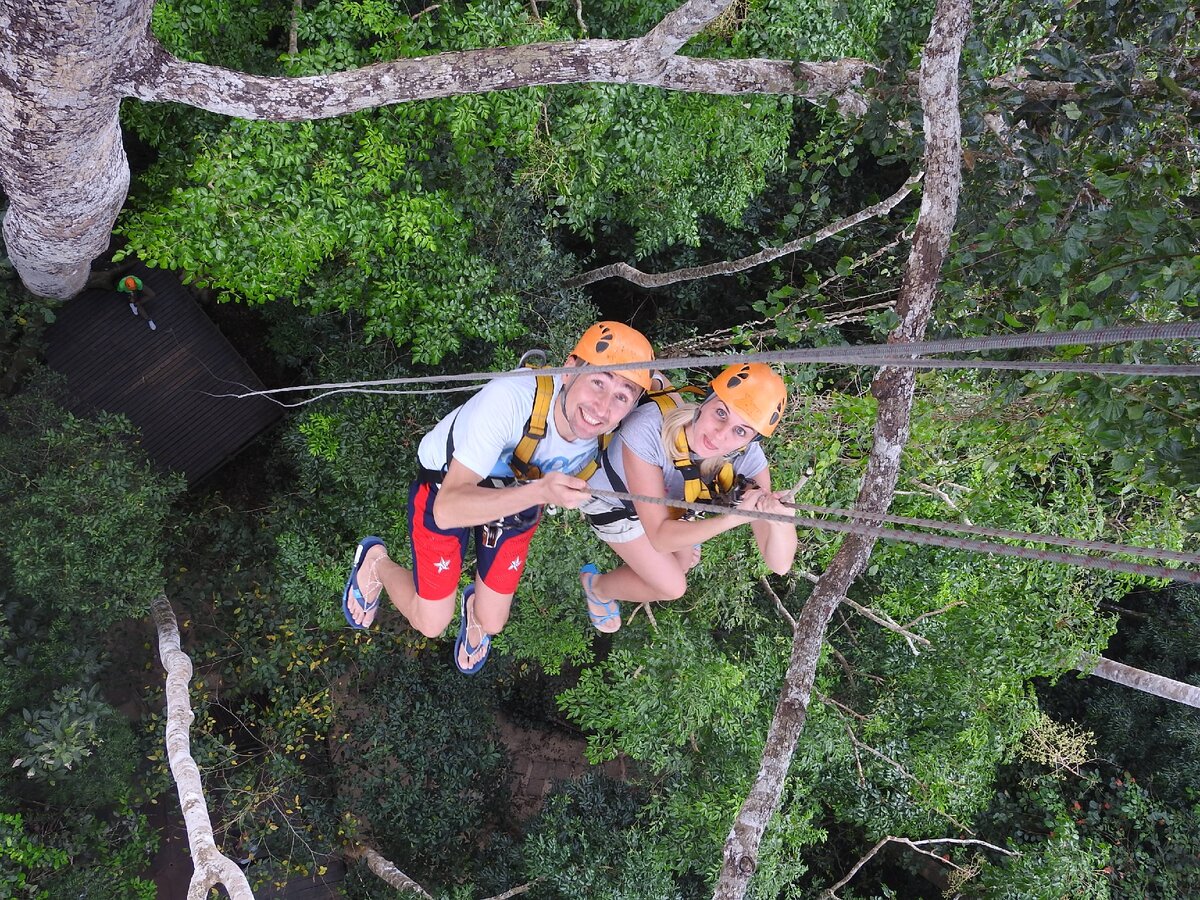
641, 432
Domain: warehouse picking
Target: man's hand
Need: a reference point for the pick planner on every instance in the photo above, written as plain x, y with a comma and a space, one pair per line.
563, 490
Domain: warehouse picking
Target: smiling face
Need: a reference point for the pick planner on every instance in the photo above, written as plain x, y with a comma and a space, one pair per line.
717, 430
593, 403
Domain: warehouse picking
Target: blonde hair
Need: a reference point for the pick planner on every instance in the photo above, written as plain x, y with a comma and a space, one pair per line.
673, 424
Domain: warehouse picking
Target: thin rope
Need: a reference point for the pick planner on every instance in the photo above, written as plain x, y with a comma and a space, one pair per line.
897, 355
939, 540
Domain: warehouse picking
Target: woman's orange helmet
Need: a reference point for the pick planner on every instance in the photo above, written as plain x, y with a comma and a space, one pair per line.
606, 343
756, 392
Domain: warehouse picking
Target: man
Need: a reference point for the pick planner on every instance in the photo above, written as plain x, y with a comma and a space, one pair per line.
488, 468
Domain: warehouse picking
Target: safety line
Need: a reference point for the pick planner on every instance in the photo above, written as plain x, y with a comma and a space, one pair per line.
898, 355
935, 540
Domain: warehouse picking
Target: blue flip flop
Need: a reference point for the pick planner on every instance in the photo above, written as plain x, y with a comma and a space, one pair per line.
463, 642
612, 608
360, 554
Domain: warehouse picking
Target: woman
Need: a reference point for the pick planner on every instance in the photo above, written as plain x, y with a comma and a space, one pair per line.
690, 452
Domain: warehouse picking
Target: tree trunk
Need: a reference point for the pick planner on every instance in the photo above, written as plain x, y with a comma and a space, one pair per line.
212, 867
64, 68
893, 388
61, 160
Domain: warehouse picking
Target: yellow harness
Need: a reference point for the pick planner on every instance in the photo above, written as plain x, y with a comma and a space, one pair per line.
695, 488
535, 430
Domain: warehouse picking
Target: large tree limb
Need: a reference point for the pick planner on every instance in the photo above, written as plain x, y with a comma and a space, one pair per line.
893, 388
212, 867
159, 76
1141, 680
733, 266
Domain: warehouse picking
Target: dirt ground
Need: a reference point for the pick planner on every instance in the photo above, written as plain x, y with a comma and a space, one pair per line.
540, 758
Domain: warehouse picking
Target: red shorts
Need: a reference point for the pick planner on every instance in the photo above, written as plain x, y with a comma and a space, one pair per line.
438, 553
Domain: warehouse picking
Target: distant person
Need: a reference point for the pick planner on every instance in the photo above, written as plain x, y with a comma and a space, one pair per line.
123, 281
487, 469
708, 452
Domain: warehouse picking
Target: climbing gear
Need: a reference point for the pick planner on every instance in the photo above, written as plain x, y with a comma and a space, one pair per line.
695, 488
610, 343
535, 429
756, 392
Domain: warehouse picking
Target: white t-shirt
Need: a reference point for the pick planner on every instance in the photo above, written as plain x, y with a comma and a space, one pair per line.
641, 432
488, 427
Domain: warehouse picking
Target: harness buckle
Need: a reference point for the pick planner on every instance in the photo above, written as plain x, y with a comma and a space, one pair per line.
491, 534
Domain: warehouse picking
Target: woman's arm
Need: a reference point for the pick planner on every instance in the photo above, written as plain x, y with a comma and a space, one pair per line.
666, 534
776, 540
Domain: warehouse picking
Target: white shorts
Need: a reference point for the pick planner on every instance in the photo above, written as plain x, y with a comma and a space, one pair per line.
622, 531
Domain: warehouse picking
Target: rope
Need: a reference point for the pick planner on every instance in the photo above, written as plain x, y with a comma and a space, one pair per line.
954, 543
896, 355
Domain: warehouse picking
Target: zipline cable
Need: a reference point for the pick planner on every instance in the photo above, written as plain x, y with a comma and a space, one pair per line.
953, 543
897, 355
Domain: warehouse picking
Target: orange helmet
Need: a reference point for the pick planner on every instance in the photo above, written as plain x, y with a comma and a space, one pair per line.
755, 392
606, 343
131, 283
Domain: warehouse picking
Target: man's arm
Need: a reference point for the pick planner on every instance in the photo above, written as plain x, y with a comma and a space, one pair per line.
461, 502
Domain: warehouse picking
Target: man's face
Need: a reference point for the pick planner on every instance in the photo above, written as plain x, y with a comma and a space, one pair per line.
596, 402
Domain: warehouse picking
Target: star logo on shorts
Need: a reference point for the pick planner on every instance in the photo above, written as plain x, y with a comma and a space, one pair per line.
514, 565
442, 565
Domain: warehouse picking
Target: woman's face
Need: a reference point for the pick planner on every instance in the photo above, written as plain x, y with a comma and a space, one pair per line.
717, 430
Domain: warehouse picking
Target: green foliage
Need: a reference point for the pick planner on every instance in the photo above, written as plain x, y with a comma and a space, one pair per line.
1094, 223
81, 512
590, 841
63, 734
24, 860
427, 766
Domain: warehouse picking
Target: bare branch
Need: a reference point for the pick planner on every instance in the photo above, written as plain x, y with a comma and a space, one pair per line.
918, 846
516, 891
894, 390
159, 76
934, 612
944, 497
583, 29
212, 867
732, 267
681, 25
387, 870
644, 606
825, 698
293, 41
783, 612
881, 618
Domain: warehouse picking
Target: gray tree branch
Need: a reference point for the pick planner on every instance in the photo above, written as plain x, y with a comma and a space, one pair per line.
732, 267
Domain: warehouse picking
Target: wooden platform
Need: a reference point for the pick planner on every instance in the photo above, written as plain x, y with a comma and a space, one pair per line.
164, 381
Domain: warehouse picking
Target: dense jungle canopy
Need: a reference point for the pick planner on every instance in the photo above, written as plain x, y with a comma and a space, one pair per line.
948, 745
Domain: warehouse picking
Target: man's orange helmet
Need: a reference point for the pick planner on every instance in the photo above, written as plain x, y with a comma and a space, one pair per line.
606, 343
755, 392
